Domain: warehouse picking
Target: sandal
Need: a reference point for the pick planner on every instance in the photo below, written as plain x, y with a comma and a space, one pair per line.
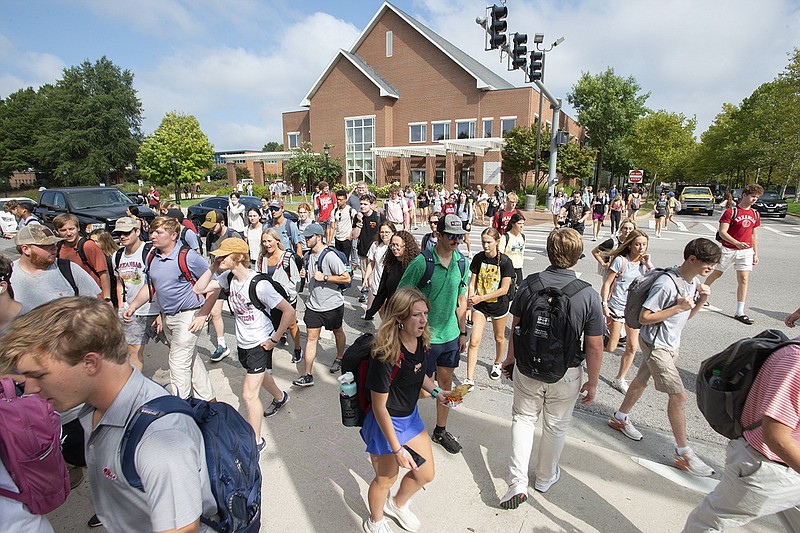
744, 319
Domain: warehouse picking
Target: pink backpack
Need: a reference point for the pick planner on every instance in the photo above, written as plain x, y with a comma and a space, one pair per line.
30, 448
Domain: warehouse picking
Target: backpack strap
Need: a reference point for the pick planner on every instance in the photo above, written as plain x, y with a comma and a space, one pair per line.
252, 292
82, 255
183, 265
134, 431
429, 267
574, 287
65, 267
286, 263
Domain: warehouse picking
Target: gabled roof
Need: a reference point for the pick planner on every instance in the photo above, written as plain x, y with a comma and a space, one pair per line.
485, 78
384, 86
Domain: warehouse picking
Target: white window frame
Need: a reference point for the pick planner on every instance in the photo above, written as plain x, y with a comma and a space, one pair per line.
417, 172
483, 126
423, 132
472, 124
389, 44
289, 136
503, 130
360, 165
440, 123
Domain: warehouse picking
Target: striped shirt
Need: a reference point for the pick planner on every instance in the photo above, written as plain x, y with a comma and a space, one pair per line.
775, 393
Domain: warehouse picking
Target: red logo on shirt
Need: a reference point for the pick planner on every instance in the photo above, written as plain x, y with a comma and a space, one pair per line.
109, 474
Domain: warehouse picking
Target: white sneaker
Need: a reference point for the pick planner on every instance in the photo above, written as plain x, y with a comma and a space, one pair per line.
469, 382
403, 515
544, 487
515, 496
620, 384
625, 427
381, 526
497, 371
690, 462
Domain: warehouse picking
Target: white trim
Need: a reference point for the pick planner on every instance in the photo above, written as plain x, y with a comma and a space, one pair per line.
342, 53
424, 132
389, 43
509, 118
360, 116
289, 135
465, 120
441, 121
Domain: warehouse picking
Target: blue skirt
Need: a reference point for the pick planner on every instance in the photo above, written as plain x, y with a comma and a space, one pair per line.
406, 428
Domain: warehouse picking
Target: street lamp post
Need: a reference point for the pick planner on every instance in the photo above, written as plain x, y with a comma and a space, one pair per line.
175, 179
539, 39
327, 150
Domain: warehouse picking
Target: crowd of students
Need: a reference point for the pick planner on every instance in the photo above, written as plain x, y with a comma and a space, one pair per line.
427, 294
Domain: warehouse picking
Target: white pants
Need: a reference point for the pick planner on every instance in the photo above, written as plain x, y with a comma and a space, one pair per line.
751, 486
555, 402
187, 372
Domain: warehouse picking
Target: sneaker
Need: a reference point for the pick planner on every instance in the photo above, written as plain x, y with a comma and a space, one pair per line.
544, 487
297, 356
690, 462
262, 444
469, 382
219, 354
497, 371
625, 427
620, 384
381, 526
275, 406
447, 440
362, 299
94, 522
622, 341
517, 494
403, 515
75, 476
469, 323
336, 366
306, 380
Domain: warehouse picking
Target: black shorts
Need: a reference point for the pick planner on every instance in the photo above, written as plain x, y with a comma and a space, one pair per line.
345, 246
330, 320
255, 360
446, 355
466, 225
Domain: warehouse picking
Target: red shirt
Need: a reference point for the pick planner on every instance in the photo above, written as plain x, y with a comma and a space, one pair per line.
742, 227
776, 394
94, 255
326, 204
502, 222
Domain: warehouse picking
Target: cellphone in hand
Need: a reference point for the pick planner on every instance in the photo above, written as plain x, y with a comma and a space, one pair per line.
418, 459
510, 370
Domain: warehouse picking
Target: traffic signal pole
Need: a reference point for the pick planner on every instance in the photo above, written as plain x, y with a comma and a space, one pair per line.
552, 178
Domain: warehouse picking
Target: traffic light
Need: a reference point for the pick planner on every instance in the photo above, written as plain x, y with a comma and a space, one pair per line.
519, 53
535, 66
497, 26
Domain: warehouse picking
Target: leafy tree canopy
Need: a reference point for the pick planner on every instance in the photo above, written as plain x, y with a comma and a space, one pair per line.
272, 146
179, 136
307, 166
659, 142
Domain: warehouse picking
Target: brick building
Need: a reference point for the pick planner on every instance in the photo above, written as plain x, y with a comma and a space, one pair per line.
405, 104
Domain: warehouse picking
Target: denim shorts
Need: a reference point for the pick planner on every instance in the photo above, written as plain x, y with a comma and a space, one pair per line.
405, 427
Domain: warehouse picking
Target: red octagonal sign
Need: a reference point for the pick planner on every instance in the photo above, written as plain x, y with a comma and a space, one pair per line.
635, 176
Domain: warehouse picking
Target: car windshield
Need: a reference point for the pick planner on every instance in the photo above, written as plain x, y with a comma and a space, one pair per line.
771, 196
695, 190
98, 198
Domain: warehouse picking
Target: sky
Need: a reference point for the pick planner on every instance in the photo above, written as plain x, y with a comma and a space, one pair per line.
238, 64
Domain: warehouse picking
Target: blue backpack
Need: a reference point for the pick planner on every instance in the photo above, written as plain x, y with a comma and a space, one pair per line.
231, 458
341, 256
430, 266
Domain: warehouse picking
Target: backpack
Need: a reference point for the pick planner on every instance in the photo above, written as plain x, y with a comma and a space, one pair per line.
81, 253
545, 342
635, 202
231, 458
275, 315
430, 266
30, 448
148, 247
425, 240
356, 360
184, 241
639, 290
341, 256
734, 210
738, 366
183, 265
65, 267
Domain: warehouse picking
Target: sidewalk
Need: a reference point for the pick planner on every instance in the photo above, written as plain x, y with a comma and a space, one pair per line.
316, 473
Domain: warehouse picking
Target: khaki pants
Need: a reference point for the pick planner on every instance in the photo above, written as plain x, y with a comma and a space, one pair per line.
187, 372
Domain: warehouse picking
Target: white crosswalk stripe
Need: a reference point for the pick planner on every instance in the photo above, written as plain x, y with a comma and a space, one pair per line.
711, 227
773, 230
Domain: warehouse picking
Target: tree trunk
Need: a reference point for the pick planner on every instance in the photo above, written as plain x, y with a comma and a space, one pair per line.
598, 169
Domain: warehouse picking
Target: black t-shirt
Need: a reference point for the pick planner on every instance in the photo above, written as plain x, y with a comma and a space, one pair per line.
575, 211
608, 244
369, 229
599, 204
490, 274
404, 388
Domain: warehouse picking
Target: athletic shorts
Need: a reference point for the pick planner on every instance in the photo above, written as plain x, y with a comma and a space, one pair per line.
405, 428
598, 216
255, 360
136, 330
740, 259
617, 316
659, 363
466, 225
330, 320
446, 355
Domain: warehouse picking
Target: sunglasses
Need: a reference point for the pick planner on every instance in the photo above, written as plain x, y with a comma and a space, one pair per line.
453, 237
125, 232
275, 209
433, 222
311, 237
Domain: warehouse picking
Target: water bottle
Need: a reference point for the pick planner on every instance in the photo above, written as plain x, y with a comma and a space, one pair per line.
716, 382
348, 399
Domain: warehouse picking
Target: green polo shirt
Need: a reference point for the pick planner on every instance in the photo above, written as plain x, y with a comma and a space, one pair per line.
443, 291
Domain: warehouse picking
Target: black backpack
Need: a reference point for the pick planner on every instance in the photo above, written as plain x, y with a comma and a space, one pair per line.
275, 315
722, 403
545, 341
81, 253
65, 267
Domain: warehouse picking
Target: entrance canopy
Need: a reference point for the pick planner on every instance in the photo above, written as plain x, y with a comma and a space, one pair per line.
461, 147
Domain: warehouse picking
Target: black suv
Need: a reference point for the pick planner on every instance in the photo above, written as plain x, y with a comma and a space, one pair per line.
95, 207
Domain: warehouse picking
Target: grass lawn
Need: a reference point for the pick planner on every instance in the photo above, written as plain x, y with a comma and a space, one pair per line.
794, 208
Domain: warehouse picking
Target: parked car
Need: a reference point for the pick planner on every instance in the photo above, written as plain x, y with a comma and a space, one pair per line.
95, 207
138, 199
695, 199
737, 195
197, 213
8, 222
771, 203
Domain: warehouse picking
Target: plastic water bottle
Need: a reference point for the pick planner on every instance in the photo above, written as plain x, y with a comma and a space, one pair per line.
348, 399
716, 382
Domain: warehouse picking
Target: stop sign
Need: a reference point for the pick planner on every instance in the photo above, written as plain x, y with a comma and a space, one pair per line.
635, 176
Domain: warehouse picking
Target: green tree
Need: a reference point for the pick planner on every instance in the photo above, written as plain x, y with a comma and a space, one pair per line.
575, 161
307, 166
607, 106
242, 174
91, 125
20, 113
272, 146
519, 153
659, 142
219, 173
179, 136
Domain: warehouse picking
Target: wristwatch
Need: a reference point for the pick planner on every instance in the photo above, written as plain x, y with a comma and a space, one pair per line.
325, 278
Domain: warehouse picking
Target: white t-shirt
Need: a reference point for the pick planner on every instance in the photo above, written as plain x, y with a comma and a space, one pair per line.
252, 326
627, 271
663, 294
254, 241
514, 247
376, 253
131, 272
344, 222
14, 515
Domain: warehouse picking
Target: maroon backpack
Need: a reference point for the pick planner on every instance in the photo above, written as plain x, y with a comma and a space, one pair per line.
30, 438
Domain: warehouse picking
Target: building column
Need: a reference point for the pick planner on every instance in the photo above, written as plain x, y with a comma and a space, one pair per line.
430, 169
231, 167
258, 172
380, 171
404, 171
449, 170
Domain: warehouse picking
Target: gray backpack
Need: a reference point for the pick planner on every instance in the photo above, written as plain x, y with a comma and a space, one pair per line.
640, 290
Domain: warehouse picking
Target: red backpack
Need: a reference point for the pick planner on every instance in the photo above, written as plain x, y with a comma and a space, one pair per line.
30, 448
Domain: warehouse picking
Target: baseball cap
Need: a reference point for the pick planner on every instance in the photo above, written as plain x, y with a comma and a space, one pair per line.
231, 245
176, 214
275, 203
450, 224
124, 225
213, 218
36, 234
313, 229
